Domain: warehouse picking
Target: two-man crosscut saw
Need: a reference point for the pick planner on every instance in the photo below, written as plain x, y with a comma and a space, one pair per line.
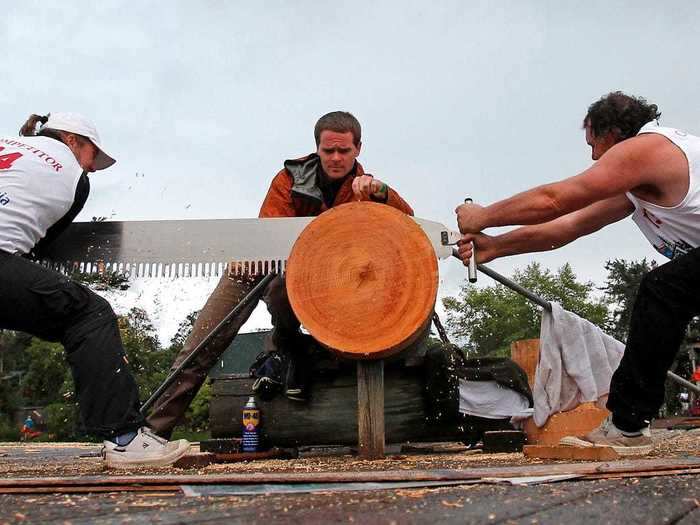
196, 248
192, 248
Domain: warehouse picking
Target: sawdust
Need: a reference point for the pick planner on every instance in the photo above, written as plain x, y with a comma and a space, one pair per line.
674, 443
46, 460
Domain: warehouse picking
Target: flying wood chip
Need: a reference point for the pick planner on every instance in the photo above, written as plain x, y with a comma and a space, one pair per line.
362, 278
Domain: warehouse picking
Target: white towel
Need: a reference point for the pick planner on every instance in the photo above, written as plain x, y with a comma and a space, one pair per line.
577, 361
490, 400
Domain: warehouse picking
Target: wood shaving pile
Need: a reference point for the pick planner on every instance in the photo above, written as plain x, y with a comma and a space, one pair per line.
21, 460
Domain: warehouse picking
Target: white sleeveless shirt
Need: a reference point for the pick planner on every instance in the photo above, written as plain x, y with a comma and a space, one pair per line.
675, 230
38, 179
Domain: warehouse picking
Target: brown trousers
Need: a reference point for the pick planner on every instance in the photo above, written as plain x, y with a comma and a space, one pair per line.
171, 406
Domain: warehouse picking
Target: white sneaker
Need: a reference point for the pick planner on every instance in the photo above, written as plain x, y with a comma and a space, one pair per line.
145, 450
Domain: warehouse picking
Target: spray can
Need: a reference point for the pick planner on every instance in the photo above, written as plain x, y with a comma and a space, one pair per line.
251, 426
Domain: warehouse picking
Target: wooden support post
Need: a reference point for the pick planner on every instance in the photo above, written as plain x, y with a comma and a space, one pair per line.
370, 408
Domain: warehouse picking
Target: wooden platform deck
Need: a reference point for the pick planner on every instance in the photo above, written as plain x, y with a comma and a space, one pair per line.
60, 483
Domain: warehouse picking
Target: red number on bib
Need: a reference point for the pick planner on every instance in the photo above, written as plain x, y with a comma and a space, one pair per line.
7, 159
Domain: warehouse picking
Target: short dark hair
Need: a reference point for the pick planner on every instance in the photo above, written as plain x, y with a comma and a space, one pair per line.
622, 114
340, 122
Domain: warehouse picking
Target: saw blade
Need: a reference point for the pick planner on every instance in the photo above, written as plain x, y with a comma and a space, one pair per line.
193, 248
175, 248
441, 237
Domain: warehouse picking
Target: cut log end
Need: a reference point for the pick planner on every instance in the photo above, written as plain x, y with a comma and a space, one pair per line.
362, 278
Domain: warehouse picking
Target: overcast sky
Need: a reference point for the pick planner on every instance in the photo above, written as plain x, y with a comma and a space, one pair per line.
201, 102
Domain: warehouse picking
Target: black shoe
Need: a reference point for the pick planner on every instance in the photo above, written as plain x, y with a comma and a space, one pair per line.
268, 369
266, 388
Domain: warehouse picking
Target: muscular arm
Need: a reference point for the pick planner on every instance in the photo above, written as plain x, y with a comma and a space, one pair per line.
549, 235
647, 160
562, 230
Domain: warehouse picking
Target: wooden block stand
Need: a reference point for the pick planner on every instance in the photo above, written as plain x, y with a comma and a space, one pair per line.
576, 422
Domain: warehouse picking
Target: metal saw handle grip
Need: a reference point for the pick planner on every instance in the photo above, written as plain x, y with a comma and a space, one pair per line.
472, 261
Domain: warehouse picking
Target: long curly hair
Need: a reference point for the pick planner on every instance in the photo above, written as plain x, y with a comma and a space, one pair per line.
622, 114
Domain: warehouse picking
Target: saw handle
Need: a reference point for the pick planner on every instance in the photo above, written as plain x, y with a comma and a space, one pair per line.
472, 262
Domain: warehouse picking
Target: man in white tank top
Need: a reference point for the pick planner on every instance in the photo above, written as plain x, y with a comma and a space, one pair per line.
643, 170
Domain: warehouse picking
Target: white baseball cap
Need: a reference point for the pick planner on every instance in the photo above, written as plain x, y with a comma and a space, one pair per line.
75, 123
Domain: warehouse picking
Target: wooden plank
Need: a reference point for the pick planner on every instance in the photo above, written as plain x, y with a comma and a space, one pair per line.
526, 353
370, 409
575, 422
562, 452
684, 423
53, 486
645, 473
598, 469
72, 489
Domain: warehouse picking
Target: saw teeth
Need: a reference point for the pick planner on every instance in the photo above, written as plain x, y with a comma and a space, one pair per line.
256, 267
159, 270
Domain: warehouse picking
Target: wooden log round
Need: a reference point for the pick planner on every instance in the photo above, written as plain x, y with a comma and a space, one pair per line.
362, 278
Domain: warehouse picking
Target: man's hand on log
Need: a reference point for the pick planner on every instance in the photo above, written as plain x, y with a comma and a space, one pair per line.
366, 187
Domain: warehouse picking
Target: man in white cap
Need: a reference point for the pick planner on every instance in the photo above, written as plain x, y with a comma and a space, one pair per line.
43, 186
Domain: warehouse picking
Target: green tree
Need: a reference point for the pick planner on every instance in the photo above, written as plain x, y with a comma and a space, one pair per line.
63, 422
47, 379
13, 364
148, 361
197, 415
489, 319
100, 281
621, 287
183, 331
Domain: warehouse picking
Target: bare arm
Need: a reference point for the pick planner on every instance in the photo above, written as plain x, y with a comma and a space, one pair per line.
549, 235
561, 231
641, 161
